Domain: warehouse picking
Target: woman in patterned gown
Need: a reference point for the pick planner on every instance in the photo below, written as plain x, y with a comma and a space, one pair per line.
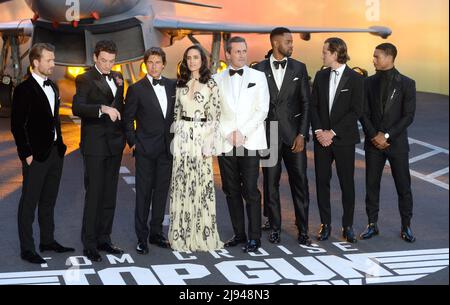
193, 225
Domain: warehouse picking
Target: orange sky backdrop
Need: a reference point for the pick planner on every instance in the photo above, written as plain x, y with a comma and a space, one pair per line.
420, 31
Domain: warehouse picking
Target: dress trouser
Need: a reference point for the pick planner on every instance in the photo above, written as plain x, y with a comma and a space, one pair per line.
39, 189
240, 181
101, 175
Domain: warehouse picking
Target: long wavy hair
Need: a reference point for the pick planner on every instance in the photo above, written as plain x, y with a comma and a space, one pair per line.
185, 73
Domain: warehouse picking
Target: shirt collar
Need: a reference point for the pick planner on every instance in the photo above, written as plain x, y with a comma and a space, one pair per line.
150, 78
340, 69
272, 59
100, 71
39, 79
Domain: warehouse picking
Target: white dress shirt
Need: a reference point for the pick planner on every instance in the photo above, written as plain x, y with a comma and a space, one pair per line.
279, 73
236, 83
160, 92
335, 78
48, 90
110, 82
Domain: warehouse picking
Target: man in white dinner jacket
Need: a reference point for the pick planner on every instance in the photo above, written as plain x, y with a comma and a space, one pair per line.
245, 104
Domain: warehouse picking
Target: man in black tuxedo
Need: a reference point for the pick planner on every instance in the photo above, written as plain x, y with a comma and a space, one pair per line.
151, 103
289, 108
98, 102
36, 127
337, 101
389, 109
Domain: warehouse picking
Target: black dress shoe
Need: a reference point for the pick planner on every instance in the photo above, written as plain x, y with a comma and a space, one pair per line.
92, 255
266, 225
234, 241
109, 248
159, 240
32, 257
275, 237
371, 231
142, 248
324, 233
252, 245
54, 246
303, 239
349, 235
407, 234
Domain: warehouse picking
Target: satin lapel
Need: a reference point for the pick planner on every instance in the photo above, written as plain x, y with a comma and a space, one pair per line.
244, 85
153, 97
57, 99
101, 83
344, 79
119, 92
288, 78
326, 87
41, 95
270, 79
228, 90
169, 98
393, 92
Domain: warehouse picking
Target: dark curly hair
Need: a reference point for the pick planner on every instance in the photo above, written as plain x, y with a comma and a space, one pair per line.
185, 73
107, 46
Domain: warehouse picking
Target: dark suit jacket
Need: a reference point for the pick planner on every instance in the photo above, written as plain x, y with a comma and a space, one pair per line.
152, 135
398, 114
99, 136
290, 105
32, 122
347, 106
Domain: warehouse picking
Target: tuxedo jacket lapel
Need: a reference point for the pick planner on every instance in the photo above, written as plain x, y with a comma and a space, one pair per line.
345, 77
228, 91
326, 88
153, 97
393, 92
42, 97
288, 78
101, 83
169, 98
271, 80
244, 85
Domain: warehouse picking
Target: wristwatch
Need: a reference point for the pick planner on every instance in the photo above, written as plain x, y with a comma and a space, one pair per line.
386, 136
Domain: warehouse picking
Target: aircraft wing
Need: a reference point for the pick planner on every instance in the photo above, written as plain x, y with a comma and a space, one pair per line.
196, 26
24, 27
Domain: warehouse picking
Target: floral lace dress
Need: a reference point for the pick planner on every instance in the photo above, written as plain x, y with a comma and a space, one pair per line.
193, 225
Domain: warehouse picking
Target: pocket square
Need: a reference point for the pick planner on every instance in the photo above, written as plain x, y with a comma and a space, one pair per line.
296, 79
297, 115
345, 90
251, 85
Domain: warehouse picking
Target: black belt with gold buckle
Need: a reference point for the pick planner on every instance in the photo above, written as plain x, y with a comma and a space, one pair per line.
185, 118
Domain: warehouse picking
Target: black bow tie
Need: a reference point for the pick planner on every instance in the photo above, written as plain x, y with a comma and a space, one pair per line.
233, 72
47, 82
107, 75
158, 82
277, 64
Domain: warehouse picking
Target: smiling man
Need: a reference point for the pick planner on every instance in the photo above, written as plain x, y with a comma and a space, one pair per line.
151, 103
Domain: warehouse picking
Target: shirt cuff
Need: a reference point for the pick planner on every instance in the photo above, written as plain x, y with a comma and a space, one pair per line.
333, 132
317, 130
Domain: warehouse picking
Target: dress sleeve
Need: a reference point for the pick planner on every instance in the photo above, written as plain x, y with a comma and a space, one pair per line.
213, 139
